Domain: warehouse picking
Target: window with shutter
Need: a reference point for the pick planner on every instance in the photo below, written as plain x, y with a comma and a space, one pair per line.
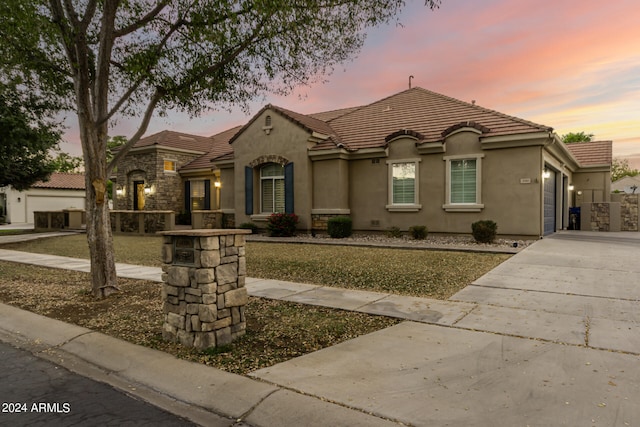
272, 188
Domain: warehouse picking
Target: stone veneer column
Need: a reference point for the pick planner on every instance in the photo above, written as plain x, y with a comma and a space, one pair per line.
204, 295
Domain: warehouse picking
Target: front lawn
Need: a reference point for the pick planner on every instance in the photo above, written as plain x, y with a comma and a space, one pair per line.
426, 273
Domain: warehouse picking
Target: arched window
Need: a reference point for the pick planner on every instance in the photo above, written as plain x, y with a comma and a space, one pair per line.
267, 121
272, 197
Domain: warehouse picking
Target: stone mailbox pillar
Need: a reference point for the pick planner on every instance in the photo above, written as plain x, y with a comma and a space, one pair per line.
204, 295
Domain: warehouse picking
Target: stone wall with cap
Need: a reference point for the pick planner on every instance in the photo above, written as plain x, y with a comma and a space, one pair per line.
204, 290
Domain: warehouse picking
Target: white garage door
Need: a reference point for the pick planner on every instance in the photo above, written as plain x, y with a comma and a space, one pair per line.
51, 203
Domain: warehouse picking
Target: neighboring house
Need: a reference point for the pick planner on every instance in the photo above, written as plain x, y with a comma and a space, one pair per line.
61, 191
627, 184
414, 158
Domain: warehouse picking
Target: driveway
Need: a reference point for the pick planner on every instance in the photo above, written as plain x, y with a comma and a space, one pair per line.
551, 340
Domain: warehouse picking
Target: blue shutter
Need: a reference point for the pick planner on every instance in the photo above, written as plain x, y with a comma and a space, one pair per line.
248, 190
288, 188
207, 194
187, 196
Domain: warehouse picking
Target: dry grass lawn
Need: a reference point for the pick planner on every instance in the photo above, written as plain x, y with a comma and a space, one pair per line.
276, 330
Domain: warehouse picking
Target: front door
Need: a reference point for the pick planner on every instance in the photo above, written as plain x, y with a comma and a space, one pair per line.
138, 195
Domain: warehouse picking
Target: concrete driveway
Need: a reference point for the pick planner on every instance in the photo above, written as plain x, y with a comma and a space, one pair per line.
551, 340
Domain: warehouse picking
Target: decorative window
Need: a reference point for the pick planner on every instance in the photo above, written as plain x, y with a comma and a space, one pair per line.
170, 165
463, 181
272, 196
403, 185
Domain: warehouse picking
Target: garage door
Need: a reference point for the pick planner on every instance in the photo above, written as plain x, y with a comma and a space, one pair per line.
550, 203
51, 203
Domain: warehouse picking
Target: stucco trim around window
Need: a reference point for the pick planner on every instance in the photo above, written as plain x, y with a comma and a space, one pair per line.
466, 206
400, 195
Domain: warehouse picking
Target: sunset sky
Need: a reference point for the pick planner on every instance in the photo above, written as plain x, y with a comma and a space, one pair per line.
573, 65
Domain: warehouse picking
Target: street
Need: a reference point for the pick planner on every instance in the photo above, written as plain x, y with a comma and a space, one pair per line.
36, 392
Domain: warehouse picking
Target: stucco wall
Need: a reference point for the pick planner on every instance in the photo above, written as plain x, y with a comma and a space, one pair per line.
285, 139
515, 206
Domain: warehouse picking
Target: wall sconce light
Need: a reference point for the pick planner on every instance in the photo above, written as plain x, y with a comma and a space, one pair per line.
571, 187
546, 173
119, 191
147, 190
579, 193
217, 184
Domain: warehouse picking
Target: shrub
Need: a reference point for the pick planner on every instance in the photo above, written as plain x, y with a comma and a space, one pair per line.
484, 231
249, 226
394, 232
339, 227
418, 232
282, 225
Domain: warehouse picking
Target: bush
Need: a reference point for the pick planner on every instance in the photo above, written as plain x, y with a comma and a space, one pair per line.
394, 232
282, 225
418, 232
339, 227
484, 231
249, 226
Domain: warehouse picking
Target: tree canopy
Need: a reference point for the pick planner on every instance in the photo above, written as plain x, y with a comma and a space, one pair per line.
108, 59
26, 138
621, 168
572, 137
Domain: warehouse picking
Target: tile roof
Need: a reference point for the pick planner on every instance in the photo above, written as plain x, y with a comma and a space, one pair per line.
63, 181
424, 112
311, 124
220, 148
178, 140
426, 115
596, 153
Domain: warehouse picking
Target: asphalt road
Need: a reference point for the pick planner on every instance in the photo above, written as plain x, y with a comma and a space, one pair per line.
35, 392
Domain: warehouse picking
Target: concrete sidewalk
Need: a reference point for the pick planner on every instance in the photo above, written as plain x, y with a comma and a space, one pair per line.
547, 338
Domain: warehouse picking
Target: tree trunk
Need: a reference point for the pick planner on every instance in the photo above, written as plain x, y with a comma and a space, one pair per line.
104, 280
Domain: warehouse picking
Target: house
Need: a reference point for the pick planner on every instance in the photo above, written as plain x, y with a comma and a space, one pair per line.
627, 184
61, 191
413, 158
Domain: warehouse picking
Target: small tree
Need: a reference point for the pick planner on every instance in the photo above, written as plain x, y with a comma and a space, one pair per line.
67, 163
620, 168
572, 137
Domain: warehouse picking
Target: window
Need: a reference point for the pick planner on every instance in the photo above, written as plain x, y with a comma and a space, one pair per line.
403, 185
463, 184
197, 196
169, 165
272, 195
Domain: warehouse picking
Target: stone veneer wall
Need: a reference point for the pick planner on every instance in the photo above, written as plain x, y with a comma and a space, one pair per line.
629, 212
204, 287
48, 220
599, 217
141, 222
168, 191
